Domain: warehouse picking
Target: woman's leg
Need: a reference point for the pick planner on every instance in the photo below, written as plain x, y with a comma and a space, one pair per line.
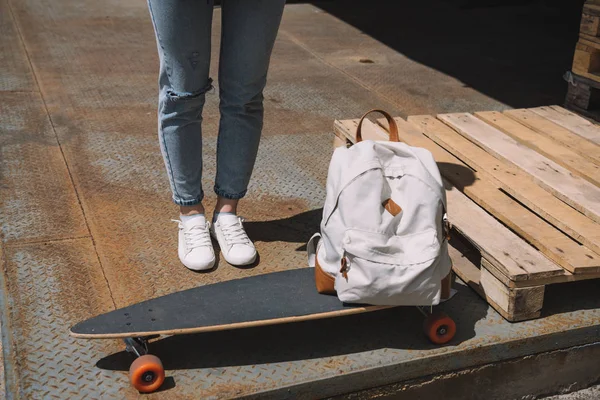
249, 29
183, 35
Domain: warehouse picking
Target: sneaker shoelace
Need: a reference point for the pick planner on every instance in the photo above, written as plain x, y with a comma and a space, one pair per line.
235, 233
196, 236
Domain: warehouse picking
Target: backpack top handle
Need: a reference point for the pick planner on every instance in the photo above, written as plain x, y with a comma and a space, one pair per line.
390, 120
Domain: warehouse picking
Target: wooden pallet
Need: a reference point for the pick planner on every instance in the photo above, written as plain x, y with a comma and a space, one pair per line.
583, 96
583, 90
586, 60
523, 189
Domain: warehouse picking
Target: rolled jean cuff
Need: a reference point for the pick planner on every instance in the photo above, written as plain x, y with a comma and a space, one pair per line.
229, 196
192, 202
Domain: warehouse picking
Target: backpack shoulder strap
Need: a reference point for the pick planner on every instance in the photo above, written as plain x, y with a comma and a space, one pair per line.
390, 120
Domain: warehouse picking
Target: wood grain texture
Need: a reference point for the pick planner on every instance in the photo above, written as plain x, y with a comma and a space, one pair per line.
518, 304
558, 153
589, 40
516, 259
562, 135
517, 183
471, 275
586, 61
571, 121
566, 277
496, 243
577, 192
586, 58
590, 24
338, 142
553, 243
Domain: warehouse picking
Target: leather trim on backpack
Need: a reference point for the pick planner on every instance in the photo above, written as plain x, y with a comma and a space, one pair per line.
392, 207
447, 286
325, 282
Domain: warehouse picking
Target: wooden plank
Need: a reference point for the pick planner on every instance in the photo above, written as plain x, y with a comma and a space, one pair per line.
582, 96
543, 145
471, 275
586, 61
518, 304
589, 41
510, 254
562, 135
571, 121
575, 191
505, 250
339, 142
515, 182
590, 24
591, 9
567, 277
553, 243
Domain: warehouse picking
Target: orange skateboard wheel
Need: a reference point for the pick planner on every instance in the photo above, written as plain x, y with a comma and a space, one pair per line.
147, 373
439, 328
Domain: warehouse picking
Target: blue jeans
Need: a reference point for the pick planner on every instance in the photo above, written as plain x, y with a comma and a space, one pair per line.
183, 35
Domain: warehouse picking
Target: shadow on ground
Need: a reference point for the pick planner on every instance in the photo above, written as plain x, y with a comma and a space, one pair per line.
295, 229
573, 296
515, 51
300, 227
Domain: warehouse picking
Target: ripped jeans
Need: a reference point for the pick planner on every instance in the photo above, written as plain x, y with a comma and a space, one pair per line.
183, 35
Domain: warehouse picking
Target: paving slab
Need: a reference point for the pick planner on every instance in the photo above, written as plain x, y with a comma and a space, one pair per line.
430, 56
106, 240
16, 71
51, 286
38, 200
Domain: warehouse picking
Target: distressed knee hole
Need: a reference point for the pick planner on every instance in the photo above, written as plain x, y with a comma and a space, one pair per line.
174, 95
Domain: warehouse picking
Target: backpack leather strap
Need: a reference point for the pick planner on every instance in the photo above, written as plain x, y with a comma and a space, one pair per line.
390, 120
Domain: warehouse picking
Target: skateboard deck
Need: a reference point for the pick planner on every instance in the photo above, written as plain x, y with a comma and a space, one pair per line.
273, 298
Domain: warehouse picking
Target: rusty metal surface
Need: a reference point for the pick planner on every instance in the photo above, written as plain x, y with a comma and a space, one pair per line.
38, 201
403, 81
97, 68
54, 285
51, 286
15, 71
102, 104
425, 58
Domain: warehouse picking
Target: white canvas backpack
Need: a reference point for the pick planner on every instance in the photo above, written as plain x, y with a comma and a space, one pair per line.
383, 235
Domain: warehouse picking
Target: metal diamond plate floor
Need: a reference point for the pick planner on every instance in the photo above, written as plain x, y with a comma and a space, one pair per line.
85, 217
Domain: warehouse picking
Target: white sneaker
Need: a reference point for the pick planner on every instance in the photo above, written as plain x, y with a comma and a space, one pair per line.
235, 245
195, 247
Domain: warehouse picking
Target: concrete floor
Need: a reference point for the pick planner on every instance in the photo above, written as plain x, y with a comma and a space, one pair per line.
84, 211
585, 394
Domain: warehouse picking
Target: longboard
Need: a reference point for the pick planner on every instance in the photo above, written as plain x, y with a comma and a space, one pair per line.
273, 298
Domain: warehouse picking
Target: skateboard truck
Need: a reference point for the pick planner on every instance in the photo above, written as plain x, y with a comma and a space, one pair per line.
137, 346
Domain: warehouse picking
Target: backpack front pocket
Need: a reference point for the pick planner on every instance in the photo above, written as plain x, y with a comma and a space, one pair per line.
381, 269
